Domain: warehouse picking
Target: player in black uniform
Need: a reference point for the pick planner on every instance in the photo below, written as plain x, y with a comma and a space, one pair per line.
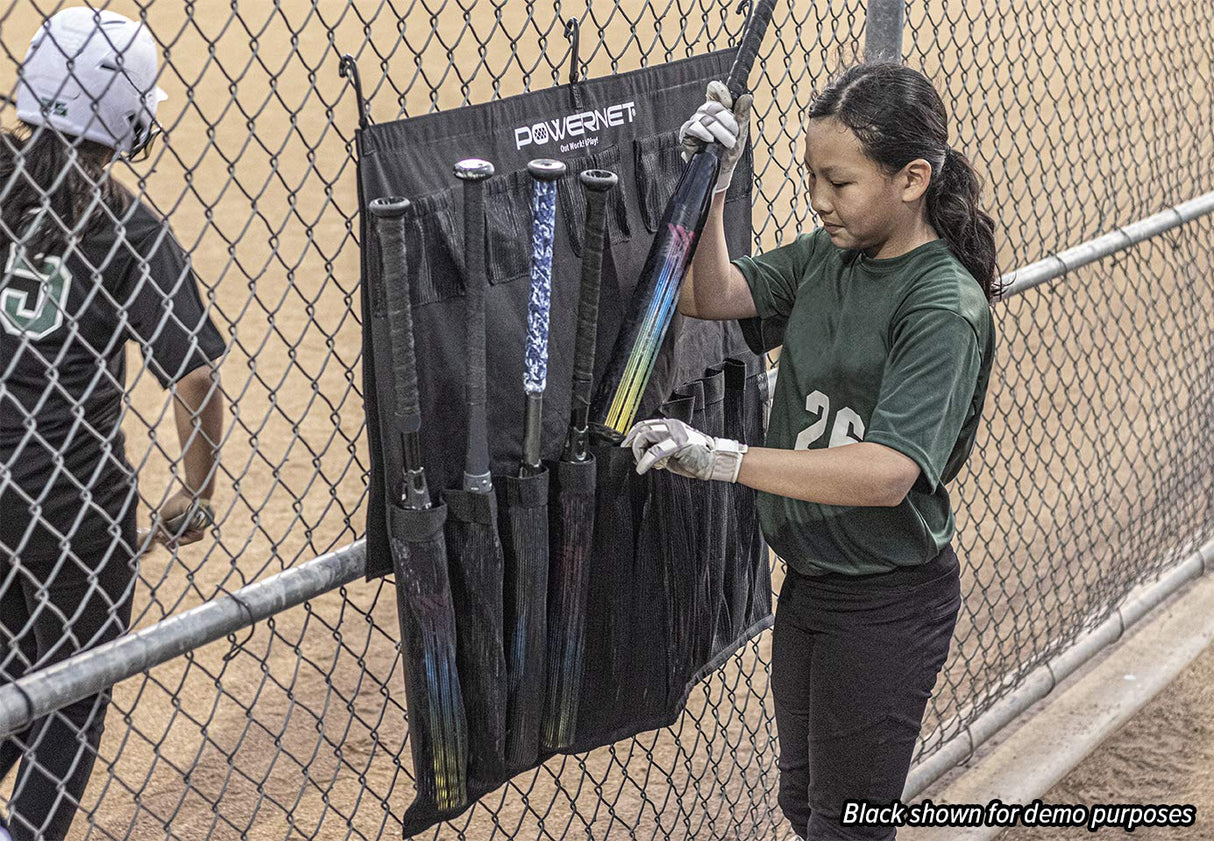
87, 267
887, 354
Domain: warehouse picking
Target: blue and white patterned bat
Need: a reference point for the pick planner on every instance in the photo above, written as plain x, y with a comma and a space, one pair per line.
544, 174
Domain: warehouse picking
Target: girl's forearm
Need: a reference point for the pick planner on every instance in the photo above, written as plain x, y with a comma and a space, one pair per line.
714, 287
861, 474
198, 411
710, 267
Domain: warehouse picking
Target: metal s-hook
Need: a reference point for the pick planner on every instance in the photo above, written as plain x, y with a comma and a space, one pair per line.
743, 9
573, 33
348, 69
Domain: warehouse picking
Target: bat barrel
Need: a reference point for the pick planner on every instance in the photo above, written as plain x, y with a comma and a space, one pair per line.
651, 308
473, 172
657, 292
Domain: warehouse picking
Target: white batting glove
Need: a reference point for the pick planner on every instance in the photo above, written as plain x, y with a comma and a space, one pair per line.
182, 520
666, 444
718, 120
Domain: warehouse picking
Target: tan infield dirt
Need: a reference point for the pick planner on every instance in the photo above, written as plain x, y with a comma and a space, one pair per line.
297, 729
1163, 755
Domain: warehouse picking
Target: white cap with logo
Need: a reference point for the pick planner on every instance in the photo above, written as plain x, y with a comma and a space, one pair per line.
92, 74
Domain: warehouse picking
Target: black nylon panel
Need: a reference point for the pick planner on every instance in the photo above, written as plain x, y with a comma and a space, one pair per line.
667, 598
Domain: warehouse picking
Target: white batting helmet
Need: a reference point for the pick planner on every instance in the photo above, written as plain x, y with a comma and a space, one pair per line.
92, 74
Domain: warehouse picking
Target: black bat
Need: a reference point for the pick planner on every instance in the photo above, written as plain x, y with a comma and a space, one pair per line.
596, 183
572, 518
438, 727
472, 172
414, 494
473, 544
657, 292
523, 498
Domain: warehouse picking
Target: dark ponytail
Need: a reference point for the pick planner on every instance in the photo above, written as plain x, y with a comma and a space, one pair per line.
954, 209
899, 117
43, 168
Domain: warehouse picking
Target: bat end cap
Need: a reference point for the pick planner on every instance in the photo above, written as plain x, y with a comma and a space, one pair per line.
546, 169
389, 207
473, 169
601, 433
598, 179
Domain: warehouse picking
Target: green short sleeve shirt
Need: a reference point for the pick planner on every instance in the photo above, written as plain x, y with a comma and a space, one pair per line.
894, 351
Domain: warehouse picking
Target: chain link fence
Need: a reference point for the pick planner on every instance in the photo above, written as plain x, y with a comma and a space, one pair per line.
1094, 473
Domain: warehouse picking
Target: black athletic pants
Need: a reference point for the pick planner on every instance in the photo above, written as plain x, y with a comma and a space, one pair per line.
854, 660
49, 610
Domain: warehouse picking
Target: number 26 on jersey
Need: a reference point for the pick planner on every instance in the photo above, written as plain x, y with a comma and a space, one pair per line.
848, 427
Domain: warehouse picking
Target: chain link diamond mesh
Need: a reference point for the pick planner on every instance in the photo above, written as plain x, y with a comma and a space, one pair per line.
1094, 473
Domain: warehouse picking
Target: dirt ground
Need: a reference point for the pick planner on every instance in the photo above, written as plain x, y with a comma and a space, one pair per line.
297, 729
1163, 755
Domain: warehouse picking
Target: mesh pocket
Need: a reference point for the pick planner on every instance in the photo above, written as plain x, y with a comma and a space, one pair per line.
573, 201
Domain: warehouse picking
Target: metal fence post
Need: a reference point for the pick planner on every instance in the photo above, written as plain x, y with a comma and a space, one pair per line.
883, 30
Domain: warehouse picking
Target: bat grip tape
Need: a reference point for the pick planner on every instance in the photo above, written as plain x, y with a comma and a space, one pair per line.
588, 304
391, 232
748, 49
543, 222
477, 460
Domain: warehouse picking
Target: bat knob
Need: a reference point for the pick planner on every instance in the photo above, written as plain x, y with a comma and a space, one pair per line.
603, 433
546, 169
389, 207
599, 180
473, 169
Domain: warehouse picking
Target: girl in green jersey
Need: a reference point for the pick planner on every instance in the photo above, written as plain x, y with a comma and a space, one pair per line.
888, 343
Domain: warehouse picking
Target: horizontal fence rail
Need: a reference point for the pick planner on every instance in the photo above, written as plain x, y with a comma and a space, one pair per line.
99, 668
1057, 265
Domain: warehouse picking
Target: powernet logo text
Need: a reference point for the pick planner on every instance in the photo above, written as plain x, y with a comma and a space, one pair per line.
575, 131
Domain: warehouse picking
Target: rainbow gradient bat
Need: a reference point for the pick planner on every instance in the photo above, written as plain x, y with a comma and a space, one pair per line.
657, 292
